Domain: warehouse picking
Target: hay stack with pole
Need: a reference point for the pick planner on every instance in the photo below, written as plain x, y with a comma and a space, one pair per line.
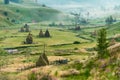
43, 60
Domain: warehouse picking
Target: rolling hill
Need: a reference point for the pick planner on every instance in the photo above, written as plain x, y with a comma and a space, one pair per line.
19, 13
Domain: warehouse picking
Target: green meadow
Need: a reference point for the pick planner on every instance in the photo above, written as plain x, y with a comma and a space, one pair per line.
77, 47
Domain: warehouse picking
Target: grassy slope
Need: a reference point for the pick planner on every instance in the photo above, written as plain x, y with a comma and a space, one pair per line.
100, 69
59, 36
26, 13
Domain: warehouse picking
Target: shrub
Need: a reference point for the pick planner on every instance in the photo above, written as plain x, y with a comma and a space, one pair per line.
76, 42
77, 28
3, 52
32, 76
75, 48
17, 10
8, 19
13, 20
5, 13
52, 24
56, 73
43, 5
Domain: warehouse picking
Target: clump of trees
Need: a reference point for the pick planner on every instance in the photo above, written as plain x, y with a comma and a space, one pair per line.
6, 1
52, 24
79, 20
5, 13
77, 28
46, 34
110, 20
29, 39
102, 44
13, 20
16, 1
43, 5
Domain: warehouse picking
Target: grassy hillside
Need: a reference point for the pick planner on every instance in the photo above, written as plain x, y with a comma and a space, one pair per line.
83, 63
18, 13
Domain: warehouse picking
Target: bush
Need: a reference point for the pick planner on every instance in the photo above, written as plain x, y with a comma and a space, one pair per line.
43, 5
32, 76
3, 52
5, 13
13, 20
8, 19
52, 24
76, 42
17, 10
75, 48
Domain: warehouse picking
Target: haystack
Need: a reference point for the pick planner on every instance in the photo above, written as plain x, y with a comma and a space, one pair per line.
42, 61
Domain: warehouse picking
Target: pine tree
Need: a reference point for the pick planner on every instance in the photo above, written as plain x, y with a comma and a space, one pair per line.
29, 39
109, 20
47, 34
6, 1
102, 43
41, 33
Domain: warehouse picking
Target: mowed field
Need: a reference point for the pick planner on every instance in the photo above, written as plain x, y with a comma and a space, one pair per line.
58, 46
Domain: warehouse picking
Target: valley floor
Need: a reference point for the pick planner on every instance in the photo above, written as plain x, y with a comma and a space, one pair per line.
60, 46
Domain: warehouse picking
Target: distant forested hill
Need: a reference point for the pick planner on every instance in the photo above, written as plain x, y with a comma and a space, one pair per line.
20, 13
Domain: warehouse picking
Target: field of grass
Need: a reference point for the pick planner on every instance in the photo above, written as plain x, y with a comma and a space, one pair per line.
61, 45
58, 46
60, 42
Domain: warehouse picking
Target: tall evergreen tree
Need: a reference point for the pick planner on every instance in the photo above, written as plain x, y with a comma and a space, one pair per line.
47, 34
109, 20
6, 1
102, 43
